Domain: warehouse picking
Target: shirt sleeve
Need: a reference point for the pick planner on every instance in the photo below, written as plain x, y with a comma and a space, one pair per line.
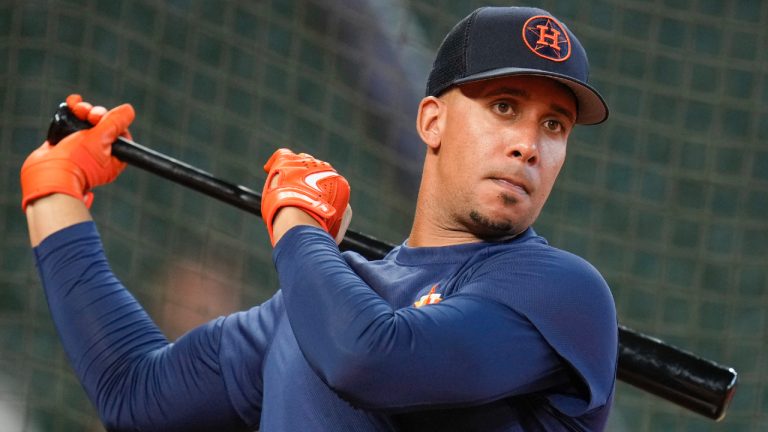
136, 379
465, 350
571, 306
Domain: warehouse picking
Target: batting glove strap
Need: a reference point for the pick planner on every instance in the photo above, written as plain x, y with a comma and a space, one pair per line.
307, 183
46, 177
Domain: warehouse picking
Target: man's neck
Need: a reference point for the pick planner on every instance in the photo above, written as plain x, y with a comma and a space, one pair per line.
427, 231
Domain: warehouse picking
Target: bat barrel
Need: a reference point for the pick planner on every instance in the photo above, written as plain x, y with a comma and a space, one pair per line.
700, 385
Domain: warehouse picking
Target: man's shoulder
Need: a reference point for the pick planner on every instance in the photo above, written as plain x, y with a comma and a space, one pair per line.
534, 253
536, 272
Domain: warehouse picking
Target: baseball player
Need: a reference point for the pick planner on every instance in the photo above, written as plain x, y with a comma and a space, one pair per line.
474, 323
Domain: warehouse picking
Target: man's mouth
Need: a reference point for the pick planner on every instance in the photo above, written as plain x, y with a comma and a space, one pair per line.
512, 185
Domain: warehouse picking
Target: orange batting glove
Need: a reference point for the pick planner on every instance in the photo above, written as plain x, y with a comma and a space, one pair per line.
81, 161
300, 180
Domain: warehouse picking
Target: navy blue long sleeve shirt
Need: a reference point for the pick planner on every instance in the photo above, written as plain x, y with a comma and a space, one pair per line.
519, 336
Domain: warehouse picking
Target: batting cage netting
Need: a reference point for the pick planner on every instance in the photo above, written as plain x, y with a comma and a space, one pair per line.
669, 198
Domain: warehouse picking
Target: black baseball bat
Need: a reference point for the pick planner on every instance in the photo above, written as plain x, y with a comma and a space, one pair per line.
681, 377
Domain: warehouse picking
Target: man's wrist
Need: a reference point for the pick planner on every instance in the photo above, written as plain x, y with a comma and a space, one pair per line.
51, 213
289, 217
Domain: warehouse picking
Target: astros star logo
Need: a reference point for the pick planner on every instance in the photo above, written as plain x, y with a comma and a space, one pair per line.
430, 298
547, 38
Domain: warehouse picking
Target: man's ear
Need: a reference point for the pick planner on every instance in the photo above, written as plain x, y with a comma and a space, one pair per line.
430, 121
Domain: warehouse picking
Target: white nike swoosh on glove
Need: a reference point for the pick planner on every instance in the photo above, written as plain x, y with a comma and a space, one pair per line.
312, 179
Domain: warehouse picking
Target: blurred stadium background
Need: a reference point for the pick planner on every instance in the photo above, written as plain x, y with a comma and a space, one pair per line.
668, 199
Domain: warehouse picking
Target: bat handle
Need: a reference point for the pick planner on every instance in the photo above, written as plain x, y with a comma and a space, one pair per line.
64, 123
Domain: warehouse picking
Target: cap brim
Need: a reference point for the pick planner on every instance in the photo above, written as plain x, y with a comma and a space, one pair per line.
592, 109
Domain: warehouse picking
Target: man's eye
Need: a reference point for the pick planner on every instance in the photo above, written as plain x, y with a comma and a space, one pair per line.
553, 125
503, 108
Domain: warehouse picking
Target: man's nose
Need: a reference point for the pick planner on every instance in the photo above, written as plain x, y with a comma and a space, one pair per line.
525, 146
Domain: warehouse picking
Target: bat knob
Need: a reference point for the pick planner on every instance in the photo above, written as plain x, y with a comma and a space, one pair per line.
64, 123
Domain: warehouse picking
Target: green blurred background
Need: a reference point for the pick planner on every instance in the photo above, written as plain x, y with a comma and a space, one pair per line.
668, 198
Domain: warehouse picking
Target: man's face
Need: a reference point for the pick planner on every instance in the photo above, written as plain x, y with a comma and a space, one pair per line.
502, 146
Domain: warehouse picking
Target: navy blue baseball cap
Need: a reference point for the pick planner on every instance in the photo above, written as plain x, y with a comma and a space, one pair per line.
494, 42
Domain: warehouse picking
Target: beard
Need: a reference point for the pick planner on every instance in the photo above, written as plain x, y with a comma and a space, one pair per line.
495, 229
488, 229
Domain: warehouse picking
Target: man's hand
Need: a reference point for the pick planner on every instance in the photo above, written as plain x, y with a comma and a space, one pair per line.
80, 161
301, 181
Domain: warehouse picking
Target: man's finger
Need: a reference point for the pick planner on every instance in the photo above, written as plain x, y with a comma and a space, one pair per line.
114, 123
